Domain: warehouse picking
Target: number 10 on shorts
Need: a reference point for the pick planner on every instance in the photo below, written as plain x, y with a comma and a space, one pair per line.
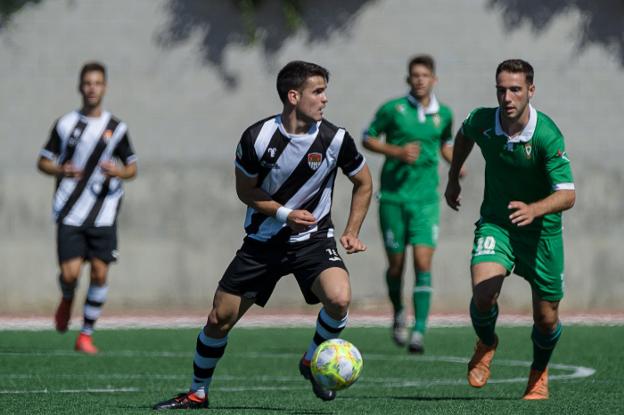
485, 246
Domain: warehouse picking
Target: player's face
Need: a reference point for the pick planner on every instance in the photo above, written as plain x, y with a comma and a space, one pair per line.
92, 88
421, 81
312, 99
513, 93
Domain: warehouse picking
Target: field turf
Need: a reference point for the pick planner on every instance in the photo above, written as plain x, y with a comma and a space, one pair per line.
40, 374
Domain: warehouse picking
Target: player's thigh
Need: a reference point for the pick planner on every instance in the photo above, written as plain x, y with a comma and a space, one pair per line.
492, 260
252, 273
102, 243
71, 244
393, 227
541, 262
423, 223
99, 270
70, 269
320, 272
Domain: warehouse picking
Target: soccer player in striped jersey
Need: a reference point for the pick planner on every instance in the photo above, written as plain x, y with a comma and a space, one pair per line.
89, 153
528, 183
416, 128
285, 168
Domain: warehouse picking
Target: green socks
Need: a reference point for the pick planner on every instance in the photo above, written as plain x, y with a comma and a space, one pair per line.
422, 301
484, 323
543, 346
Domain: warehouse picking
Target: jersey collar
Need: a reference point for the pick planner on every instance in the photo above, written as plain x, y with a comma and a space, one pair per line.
527, 132
432, 108
309, 134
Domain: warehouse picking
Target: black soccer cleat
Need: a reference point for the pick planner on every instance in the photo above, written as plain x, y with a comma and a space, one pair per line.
319, 391
186, 400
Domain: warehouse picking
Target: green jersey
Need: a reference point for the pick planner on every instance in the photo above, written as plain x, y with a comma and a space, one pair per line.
527, 167
404, 120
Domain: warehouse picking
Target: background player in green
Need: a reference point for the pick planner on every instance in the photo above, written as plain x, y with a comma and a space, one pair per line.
528, 183
415, 127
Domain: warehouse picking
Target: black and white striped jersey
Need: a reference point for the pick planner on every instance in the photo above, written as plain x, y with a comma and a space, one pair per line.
297, 171
93, 199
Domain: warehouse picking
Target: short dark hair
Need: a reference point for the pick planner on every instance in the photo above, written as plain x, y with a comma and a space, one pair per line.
517, 66
92, 67
294, 75
425, 60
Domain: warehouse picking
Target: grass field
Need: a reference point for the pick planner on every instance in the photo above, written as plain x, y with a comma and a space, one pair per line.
40, 374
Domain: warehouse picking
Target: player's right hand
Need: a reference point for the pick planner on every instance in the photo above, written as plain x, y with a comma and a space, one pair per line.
452, 194
300, 220
69, 170
409, 153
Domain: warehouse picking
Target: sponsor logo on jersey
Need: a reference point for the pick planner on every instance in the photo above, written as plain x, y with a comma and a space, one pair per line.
486, 133
314, 160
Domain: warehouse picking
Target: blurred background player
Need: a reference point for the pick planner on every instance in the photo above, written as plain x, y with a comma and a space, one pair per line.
286, 165
81, 154
415, 128
528, 183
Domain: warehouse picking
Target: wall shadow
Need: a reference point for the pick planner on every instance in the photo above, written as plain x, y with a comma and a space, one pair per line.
601, 22
222, 24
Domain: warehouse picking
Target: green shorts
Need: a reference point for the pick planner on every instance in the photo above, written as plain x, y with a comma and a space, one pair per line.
409, 223
538, 259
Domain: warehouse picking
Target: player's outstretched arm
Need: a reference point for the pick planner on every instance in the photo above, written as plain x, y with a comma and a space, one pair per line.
251, 195
524, 214
360, 200
461, 150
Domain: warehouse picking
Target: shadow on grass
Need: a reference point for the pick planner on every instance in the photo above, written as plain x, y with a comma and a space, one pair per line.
435, 398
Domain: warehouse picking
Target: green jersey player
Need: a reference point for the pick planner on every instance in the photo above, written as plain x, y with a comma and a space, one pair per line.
415, 128
528, 183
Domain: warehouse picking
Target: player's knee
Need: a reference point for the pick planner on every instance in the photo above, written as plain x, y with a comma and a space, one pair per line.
484, 302
70, 276
219, 323
338, 304
546, 323
394, 271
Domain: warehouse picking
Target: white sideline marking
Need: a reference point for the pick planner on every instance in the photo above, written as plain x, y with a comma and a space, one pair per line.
577, 372
296, 320
88, 390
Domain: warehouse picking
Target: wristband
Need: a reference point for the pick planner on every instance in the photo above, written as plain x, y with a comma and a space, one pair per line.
282, 214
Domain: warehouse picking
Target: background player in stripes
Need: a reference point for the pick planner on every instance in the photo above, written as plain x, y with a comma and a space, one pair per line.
528, 183
415, 128
285, 170
82, 154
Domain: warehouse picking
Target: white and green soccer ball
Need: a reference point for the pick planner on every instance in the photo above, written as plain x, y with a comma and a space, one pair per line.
336, 364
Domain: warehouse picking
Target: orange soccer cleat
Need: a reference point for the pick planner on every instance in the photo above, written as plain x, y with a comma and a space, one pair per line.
84, 344
537, 388
479, 365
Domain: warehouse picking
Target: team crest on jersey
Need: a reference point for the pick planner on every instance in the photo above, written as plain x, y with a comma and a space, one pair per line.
107, 134
315, 160
400, 108
527, 150
436, 120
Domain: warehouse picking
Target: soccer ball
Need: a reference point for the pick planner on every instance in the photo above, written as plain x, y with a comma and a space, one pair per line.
336, 364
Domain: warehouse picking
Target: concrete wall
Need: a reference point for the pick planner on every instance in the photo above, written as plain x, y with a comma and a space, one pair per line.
184, 79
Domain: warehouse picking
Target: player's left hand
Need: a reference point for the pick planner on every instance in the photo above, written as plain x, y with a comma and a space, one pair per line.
110, 169
523, 214
352, 244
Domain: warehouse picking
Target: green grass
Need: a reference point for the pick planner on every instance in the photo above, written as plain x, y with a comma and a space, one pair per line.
259, 375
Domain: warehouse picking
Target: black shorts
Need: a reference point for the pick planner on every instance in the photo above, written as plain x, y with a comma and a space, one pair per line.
86, 242
257, 267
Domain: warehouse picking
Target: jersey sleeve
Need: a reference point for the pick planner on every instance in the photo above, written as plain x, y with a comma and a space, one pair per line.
246, 157
557, 164
447, 137
124, 150
379, 125
350, 160
52, 149
468, 127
